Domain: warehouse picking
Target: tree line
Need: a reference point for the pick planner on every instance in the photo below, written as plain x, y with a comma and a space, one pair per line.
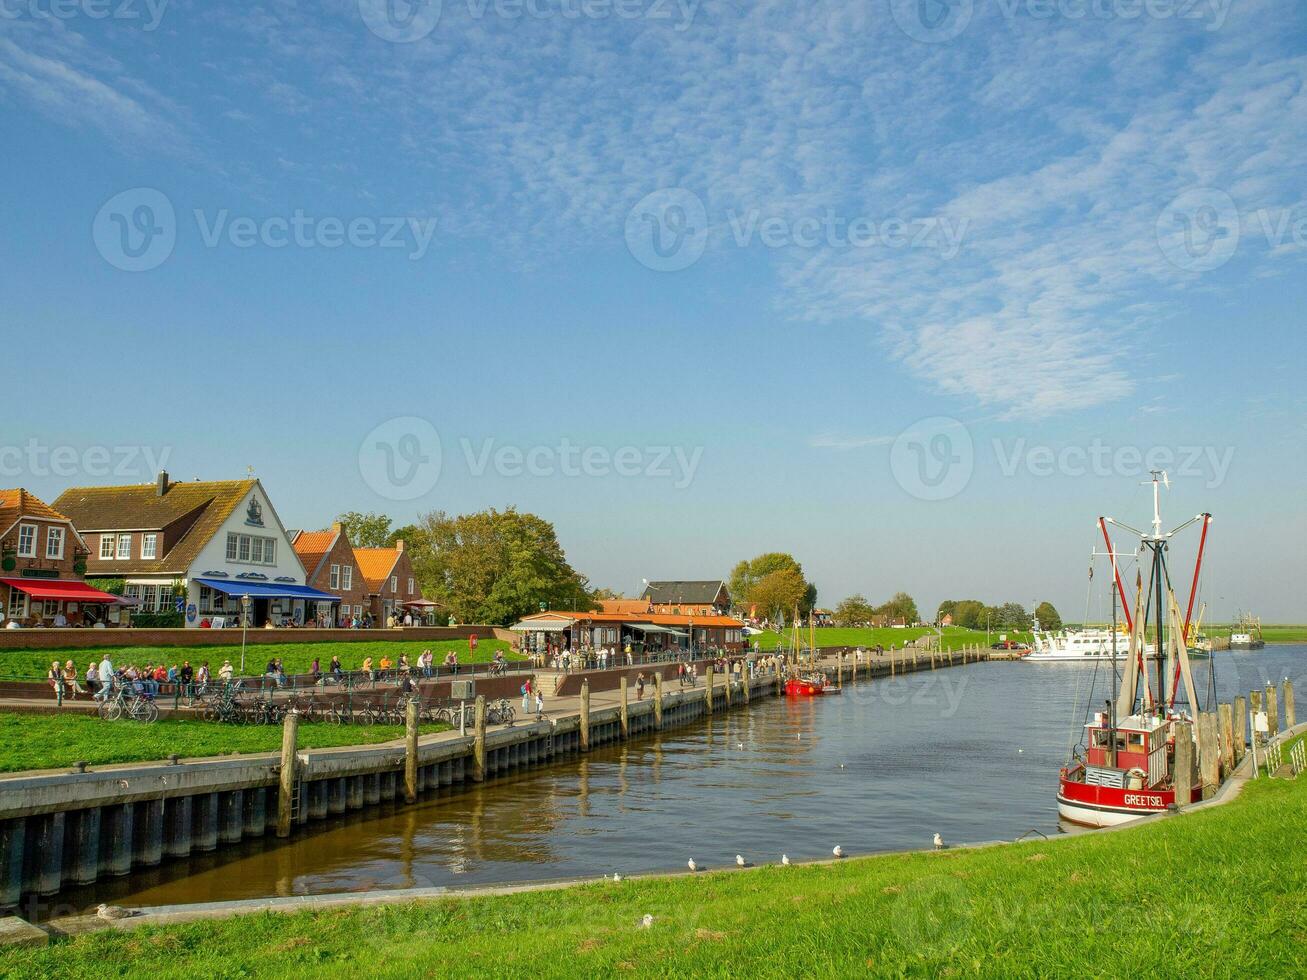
976, 615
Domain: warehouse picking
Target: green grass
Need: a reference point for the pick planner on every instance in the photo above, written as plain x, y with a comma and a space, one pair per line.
834, 636
57, 741
298, 657
1216, 893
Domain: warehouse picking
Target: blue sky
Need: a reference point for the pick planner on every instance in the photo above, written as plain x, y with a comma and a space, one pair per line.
908, 289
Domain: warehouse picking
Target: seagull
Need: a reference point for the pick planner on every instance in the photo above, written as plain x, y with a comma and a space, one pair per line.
741, 745
785, 860
739, 861
939, 842
616, 876
837, 851
646, 922
111, 912
691, 865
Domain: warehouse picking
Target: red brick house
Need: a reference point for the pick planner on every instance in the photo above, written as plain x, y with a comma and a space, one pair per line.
392, 586
42, 562
328, 558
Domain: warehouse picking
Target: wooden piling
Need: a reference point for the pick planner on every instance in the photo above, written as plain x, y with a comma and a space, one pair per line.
411, 751
479, 736
585, 714
1272, 709
707, 691
1255, 705
839, 671
1240, 728
728, 687
289, 763
658, 699
1183, 776
744, 675
625, 710
1290, 718
1209, 758
1225, 719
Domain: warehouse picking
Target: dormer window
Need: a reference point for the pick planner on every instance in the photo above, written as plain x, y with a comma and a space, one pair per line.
107, 542
27, 541
149, 546
54, 543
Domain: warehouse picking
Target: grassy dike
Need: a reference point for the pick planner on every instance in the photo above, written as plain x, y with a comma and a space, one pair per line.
1221, 892
834, 636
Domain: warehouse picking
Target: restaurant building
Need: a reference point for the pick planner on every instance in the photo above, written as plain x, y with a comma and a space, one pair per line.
42, 563
328, 558
619, 622
214, 550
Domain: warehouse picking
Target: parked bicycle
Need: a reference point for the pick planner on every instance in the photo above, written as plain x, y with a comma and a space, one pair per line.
129, 703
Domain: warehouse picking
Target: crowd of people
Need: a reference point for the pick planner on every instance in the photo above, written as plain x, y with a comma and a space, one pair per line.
151, 680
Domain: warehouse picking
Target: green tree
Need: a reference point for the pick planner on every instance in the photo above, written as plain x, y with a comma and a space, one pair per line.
946, 608
969, 613
367, 530
900, 606
495, 566
854, 611
777, 593
1047, 616
1011, 616
748, 574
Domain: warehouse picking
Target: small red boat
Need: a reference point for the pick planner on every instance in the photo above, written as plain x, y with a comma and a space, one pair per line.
812, 686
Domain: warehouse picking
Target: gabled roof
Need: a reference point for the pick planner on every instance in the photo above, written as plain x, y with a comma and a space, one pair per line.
376, 564
313, 548
684, 593
19, 503
140, 507
661, 619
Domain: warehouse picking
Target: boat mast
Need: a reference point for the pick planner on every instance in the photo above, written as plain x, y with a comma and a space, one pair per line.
1159, 565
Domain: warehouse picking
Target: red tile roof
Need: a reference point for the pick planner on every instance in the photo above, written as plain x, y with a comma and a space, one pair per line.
376, 565
312, 547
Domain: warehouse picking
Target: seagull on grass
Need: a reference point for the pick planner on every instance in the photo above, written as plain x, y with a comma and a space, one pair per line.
691, 865
837, 851
939, 842
647, 922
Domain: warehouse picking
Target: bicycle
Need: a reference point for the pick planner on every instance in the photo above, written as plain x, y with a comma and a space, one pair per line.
135, 705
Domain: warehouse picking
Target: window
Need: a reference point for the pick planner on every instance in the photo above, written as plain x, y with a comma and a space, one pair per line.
54, 542
410, 585
148, 593
51, 608
149, 546
231, 546
107, 542
27, 541
335, 577
165, 598
270, 551
132, 592
124, 546
244, 554
256, 550
17, 604
394, 583
347, 577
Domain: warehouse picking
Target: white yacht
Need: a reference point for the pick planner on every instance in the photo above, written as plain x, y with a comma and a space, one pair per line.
1079, 646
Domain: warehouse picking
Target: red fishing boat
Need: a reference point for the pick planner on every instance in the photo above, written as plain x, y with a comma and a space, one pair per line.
1124, 766
806, 686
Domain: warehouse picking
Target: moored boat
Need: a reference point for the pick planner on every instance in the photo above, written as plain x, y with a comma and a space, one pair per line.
806, 686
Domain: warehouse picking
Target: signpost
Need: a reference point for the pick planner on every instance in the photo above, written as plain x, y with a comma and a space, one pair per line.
462, 692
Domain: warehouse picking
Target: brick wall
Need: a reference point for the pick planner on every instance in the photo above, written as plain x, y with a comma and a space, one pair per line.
45, 639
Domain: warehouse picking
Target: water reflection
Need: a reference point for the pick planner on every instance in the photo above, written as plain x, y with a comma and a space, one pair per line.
971, 753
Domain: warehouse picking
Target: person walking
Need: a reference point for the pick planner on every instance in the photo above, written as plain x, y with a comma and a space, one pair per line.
639, 686
526, 697
106, 678
540, 704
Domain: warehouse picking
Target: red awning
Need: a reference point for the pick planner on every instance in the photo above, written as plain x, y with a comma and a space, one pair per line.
62, 589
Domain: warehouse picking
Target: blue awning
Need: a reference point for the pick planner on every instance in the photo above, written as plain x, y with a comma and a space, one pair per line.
267, 590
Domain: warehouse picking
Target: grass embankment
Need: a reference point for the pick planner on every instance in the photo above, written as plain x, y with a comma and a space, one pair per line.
57, 741
1216, 893
297, 657
834, 636
1283, 634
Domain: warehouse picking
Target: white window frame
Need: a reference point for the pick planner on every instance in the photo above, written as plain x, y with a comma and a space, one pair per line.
233, 546
165, 598
410, 585
149, 546
256, 550
333, 577
269, 551
27, 533
54, 536
50, 609
109, 543
243, 549
149, 598
124, 547
17, 604
346, 577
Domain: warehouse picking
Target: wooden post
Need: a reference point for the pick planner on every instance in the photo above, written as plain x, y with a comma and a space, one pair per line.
1225, 718
728, 687
289, 763
707, 690
479, 740
411, 751
839, 671
658, 699
585, 714
1183, 776
625, 711
1209, 759
1290, 718
744, 676
1272, 709
1255, 702
891, 661
1240, 728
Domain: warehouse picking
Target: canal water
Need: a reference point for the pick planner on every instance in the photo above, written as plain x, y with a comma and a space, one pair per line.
969, 752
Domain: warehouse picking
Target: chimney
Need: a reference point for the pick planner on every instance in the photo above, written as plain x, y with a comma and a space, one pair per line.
162, 486
399, 544
336, 527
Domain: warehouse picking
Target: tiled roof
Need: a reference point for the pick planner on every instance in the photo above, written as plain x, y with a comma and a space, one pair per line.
141, 507
312, 547
657, 619
19, 503
683, 593
376, 565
